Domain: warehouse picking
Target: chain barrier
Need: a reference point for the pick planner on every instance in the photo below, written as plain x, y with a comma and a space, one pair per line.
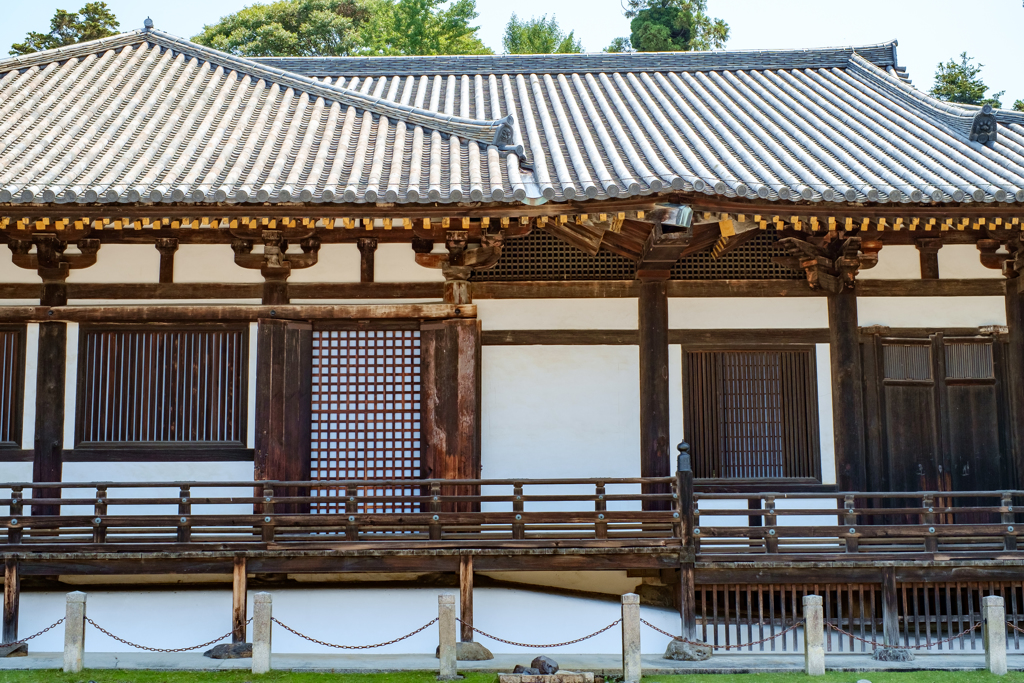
875, 644
1015, 627
541, 647
35, 635
158, 649
724, 647
353, 647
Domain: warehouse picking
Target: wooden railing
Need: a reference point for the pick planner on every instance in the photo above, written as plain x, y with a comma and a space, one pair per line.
241, 515
497, 513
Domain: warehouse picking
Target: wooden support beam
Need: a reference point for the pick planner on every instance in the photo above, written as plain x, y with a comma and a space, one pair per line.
158, 313
367, 248
1015, 376
929, 253
847, 390
239, 591
166, 246
466, 598
49, 430
12, 599
654, 388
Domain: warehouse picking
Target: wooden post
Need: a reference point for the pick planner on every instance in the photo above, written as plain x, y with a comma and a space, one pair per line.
890, 609
847, 390
466, 598
654, 390
239, 588
929, 256
367, 246
12, 599
684, 507
284, 378
451, 405
275, 291
49, 435
1015, 375
166, 246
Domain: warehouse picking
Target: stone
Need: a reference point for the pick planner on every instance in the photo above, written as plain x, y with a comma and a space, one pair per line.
681, 651
230, 651
560, 677
468, 652
545, 665
863, 680
18, 650
892, 654
530, 671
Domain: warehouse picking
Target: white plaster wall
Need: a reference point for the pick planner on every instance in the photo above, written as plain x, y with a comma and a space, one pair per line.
10, 273
931, 311
335, 263
210, 263
181, 618
397, 263
963, 261
895, 262
826, 434
120, 263
747, 313
28, 426
557, 314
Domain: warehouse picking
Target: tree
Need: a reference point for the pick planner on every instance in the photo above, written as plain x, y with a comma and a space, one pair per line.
671, 25
347, 27
538, 36
961, 82
93, 21
1018, 105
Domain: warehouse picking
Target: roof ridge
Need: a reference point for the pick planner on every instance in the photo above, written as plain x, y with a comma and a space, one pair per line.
495, 132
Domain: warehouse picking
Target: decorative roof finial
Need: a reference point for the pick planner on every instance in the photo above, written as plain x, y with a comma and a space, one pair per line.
984, 127
148, 23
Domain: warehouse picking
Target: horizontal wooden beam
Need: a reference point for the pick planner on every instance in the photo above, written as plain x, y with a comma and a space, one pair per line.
716, 337
178, 454
158, 313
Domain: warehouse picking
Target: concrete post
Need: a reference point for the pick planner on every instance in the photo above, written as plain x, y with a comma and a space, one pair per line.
261, 632
74, 632
814, 636
993, 614
446, 628
631, 638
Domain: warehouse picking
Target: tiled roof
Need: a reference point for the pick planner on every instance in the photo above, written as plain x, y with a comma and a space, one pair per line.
145, 116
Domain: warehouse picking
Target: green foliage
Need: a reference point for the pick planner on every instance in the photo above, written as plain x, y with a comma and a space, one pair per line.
93, 21
620, 45
347, 27
961, 82
664, 23
1018, 105
538, 37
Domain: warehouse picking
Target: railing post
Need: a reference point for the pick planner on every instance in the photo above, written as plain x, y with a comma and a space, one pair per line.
600, 507
814, 636
631, 638
993, 614
262, 629
17, 510
99, 529
74, 632
435, 509
268, 510
684, 508
184, 510
770, 521
850, 520
518, 528
1010, 539
447, 632
931, 542
351, 509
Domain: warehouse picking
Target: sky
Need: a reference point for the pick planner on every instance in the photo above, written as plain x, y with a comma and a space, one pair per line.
928, 31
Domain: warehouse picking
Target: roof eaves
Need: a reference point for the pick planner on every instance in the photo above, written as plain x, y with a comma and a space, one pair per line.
59, 54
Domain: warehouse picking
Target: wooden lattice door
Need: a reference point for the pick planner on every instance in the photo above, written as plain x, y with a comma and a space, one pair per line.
366, 413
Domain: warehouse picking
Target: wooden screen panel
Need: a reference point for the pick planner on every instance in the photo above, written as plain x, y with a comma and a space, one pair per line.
183, 385
752, 414
366, 413
12, 385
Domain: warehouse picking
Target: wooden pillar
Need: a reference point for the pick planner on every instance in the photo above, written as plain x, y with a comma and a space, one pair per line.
283, 394
451, 404
275, 291
466, 598
847, 390
166, 246
1015, 374
890, 609
928, 249
12, 598
687, 516
239, 588
49, 434
654, 390
367, 247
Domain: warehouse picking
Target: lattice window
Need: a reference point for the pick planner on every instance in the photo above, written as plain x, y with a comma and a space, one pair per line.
969, 360
12, 385
542, 256
366, 413
752, 414
908, 362
186, 385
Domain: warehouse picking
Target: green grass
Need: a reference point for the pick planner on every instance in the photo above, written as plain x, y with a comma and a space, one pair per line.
101, 676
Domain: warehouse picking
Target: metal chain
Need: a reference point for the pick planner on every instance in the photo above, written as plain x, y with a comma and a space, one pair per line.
158, 649
1015, 627
35, 635
724, 647
876, 644
353, 647
540, 647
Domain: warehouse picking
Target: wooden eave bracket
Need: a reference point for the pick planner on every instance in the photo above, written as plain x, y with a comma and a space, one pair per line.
830, 265
275, 263
462, 258
49, 259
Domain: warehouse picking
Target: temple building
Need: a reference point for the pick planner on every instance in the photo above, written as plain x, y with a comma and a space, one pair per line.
722, 328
